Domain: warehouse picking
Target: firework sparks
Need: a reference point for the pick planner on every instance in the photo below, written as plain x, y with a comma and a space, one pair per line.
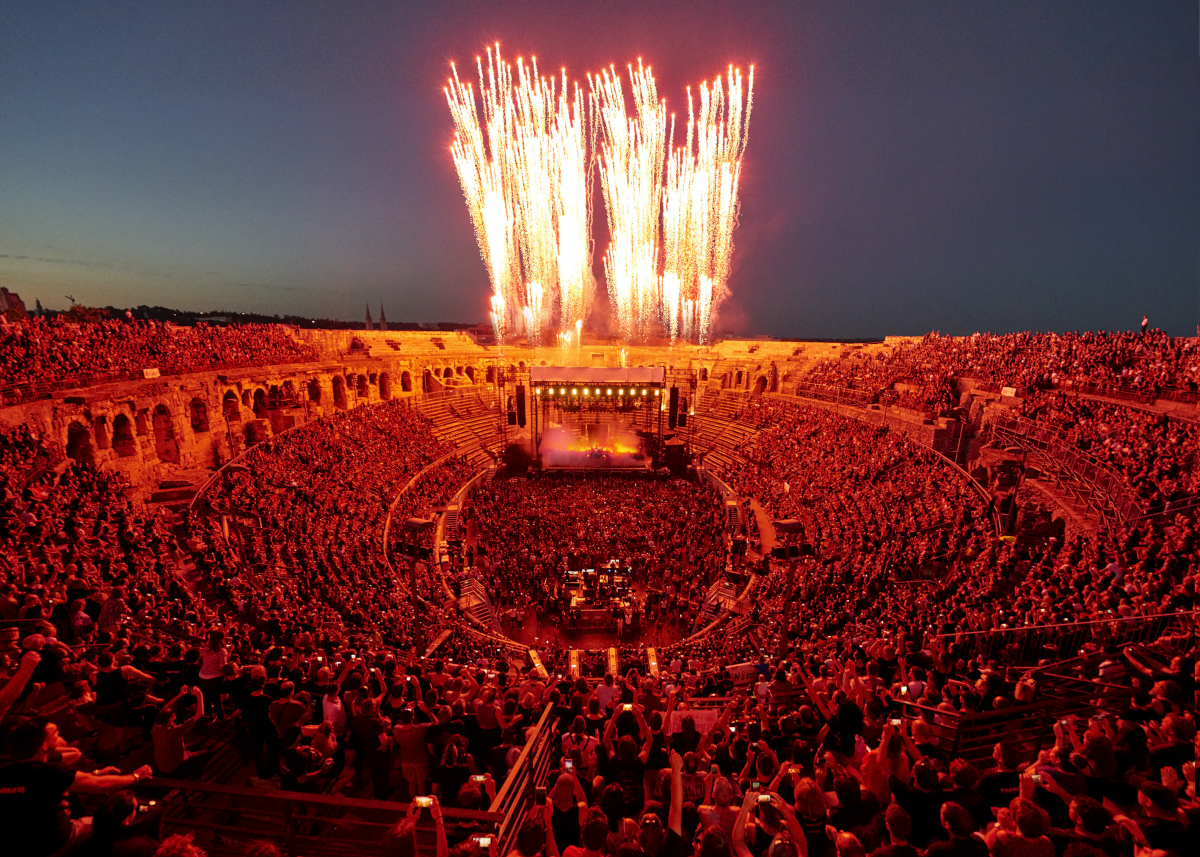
523, 156
632, 151
700, 205
524, 166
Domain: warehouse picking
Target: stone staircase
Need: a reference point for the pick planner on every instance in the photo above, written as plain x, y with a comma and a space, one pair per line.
176, 491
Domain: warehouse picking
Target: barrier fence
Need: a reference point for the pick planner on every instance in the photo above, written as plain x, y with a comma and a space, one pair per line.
1067, 463
1030, 645
225, 820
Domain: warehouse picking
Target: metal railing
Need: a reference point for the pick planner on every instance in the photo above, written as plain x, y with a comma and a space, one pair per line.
1069, 463
224, 820
516, 796
1029, 645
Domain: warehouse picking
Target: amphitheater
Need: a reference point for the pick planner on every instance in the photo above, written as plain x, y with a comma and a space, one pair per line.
324, 604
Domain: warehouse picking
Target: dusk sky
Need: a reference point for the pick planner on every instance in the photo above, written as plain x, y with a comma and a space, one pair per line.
912, 166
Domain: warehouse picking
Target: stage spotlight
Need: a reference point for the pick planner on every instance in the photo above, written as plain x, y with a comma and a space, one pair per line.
644, 392
562, 391
537, 391
622, 392
574, 391
609, 392
658, 392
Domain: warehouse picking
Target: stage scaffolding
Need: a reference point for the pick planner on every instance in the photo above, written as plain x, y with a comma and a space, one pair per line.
637, 398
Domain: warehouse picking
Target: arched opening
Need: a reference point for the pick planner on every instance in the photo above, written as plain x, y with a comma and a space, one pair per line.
703, 374
230, 407
198, 410
738, 379
448, 373
373, 378
490, 375
405, 381
427, 381
164, 435
123, 440
458, 370
339, 392
357, 345
260, 403
470, 371
362, 386
274, 398
314, 391
725, 381
385, 386
100, 427
760, 386
246, 398
79, 444
143, 422
521, 365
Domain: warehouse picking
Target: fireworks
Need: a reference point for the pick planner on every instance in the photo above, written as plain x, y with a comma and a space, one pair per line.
700, 204
524, 167
631, 158
524, 155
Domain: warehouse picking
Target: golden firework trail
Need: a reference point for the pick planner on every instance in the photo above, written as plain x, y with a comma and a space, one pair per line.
524, 167
632, 151
700, 206
479, 150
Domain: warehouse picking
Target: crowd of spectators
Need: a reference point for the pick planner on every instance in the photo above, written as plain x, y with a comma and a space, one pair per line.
922, 375
820, 724
528, 532
56, 351
1156, 456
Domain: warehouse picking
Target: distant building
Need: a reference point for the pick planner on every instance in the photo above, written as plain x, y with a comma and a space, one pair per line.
382, 318
370, 324
11, 301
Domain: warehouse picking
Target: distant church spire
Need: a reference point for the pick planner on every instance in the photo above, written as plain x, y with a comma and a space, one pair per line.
382, 318
370, 325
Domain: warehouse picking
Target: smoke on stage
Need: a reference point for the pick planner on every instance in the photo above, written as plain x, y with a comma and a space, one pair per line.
592, 445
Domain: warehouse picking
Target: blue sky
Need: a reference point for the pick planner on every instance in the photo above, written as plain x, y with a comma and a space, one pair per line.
916, 166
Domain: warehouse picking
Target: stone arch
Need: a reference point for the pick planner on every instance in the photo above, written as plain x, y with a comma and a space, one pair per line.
361, 386
356, 344
231, 408
490, 375
385, 386
79, 444
260, 403
198, 411
703, 374
246, 398
373, 378
143, 422
458, 370
760, 385
123, 440
339, 392
521, 365
448, 373
406, 381
738, 379
100, 429
427, 381
165, 443
470, 373
314, 391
